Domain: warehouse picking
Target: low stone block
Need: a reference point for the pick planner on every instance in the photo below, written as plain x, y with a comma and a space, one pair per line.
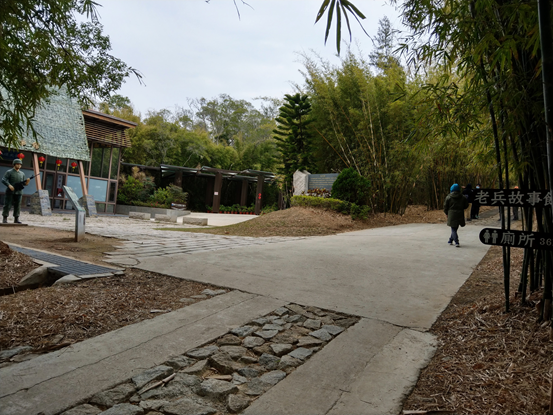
191, 221
140, 215
165, 218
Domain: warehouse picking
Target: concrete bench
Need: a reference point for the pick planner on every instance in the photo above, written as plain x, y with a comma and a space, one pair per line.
139, 215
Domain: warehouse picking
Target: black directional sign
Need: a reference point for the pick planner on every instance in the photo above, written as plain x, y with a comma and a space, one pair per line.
513, 197
517, 239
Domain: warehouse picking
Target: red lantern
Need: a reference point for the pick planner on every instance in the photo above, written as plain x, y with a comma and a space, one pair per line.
58, 163
41, 160
21, 156
73, 165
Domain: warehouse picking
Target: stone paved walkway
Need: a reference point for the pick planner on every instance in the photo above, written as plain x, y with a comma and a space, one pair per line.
141, 238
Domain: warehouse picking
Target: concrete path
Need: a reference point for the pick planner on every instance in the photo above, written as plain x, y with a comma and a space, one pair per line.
399, 279
55, 381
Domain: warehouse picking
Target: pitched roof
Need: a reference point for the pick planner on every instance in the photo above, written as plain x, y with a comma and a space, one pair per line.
59, 123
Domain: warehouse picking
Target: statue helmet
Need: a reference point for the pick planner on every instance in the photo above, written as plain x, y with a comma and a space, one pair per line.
17, 161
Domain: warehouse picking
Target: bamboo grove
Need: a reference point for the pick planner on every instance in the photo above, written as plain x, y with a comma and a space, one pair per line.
489, 86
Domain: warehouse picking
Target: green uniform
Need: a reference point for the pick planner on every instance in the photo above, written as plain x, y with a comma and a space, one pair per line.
12, 177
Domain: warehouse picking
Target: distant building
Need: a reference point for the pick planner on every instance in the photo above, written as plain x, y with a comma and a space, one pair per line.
80, 149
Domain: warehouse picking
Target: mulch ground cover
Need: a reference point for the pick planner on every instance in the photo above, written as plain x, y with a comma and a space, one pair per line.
488, 361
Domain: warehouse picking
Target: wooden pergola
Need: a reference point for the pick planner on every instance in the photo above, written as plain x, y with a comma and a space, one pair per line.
214, 187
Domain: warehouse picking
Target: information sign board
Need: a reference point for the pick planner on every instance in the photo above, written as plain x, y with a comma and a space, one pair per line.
322, 181
513, 197
517, 239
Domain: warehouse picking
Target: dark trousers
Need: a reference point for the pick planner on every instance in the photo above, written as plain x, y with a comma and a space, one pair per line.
12, 199
454, 237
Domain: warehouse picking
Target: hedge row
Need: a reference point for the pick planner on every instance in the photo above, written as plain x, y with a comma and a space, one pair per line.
356, 211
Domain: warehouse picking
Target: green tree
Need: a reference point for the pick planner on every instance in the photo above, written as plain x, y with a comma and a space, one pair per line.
294, 138
43, 47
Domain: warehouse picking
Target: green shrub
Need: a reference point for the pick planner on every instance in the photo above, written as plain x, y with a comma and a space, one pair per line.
176, 195
351, 187
356, 211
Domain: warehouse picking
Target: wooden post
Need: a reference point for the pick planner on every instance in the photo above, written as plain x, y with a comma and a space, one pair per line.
217, 192
83, 179
36, 171
259, 194
244, 193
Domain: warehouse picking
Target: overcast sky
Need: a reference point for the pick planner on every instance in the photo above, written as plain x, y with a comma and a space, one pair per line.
193, 49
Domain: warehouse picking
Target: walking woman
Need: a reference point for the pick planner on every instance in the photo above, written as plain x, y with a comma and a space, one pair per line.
454, 207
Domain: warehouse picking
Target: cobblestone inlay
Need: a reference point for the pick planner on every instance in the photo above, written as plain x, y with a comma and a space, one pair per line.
66, 265
226, 375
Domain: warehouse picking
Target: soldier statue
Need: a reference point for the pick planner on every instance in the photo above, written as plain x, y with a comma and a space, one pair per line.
14, 179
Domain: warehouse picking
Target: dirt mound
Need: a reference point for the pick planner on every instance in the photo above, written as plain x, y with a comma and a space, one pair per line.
301, 221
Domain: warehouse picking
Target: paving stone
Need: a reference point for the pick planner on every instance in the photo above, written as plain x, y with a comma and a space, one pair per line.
312, 324
260, 321
224, 363
235, 352
346, 322
237, 403
85, 409
301, 353
182, 385
334, 330
197, 368
153, 404
238, 379
213, 292
311, 316
287, 337
229, 339
269, 361
124, 409
256, 387
251, 342
216, 389
178, 362
269, 327
308, 341
287, 363
295, 308
156, 373
111, 397
247, 359
6, 354
321, 334
280, 349
249, 372
265, 348
199, 296
315, 310
326, 320
266, 334
203, 352
300, 331
186, 406
279, 322
281, 310
296, 318
243, 331
273, 377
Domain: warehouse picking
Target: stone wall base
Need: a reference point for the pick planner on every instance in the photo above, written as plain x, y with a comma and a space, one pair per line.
40, 203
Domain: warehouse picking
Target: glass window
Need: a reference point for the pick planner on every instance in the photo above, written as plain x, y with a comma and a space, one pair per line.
60, 181
112, 187
27, 160
49, 184
100, 207
110, 209
97, 156
114, 163
74, 183
98, 189
105, 164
